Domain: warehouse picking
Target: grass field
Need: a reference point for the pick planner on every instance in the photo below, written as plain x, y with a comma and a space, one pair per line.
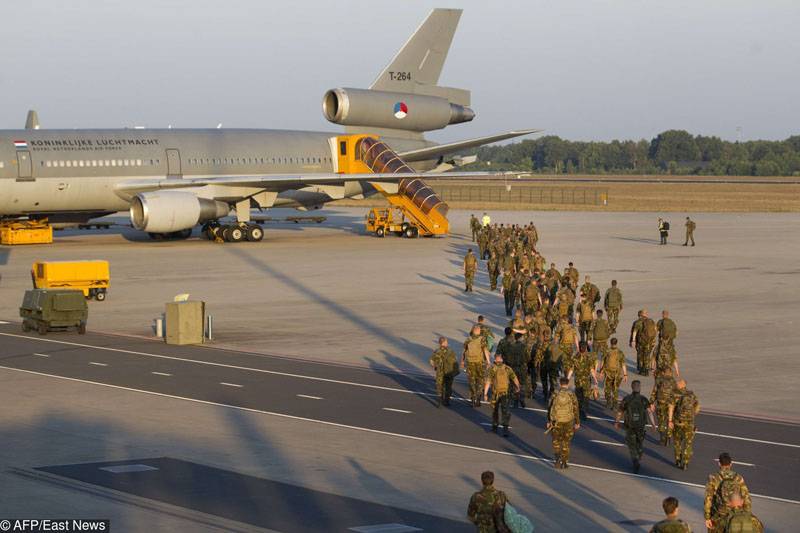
731, 196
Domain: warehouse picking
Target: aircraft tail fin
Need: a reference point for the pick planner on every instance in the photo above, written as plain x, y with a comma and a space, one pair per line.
32, 121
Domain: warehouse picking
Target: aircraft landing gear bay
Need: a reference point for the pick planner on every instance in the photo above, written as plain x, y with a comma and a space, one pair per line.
238, 232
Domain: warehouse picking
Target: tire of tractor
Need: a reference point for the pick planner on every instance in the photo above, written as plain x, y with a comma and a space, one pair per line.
380, 232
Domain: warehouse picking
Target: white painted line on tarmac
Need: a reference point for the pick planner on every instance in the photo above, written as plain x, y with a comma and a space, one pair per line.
379, 432
4, 322
327, 380
743, 464
165, 374
127, 469
384, 528
97, 364
41, 354
397, 410
309, 397
488, 424
231, 384
607, 442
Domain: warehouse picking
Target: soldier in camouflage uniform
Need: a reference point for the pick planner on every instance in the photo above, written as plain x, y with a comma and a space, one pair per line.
599, 334
500, 379
537, 370
582, 367
643, 335
567, 338
486, 504
486, 332
475, 226
662, 397
613, 368
671, 524
738, 518
493, 265
552, 280
591, 291
445, 363
562, 421
613, 305
719, 488
551, 367
681, 417
635, 409
470, 267
584, 316
509, 291
518, 360
475, 359
483, 243
667, 333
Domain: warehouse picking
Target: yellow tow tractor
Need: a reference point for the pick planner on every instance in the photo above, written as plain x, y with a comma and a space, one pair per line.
91, 277
383, 220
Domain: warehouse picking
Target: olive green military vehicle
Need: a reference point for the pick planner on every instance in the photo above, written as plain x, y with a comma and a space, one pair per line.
49, 309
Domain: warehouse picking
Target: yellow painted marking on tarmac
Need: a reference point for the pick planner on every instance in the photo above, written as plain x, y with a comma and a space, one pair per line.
386, 433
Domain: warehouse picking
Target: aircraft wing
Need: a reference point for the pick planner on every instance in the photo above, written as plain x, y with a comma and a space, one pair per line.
434, 152
283, 182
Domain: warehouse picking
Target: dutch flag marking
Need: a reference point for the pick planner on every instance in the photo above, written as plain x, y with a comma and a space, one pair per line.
21, 145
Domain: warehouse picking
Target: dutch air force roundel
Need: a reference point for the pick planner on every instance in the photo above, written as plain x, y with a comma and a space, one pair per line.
400, 110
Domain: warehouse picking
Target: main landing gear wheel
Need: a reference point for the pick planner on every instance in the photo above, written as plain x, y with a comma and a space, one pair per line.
235, 234
254, 233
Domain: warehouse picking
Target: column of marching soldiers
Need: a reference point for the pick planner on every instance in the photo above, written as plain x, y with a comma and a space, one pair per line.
562, 332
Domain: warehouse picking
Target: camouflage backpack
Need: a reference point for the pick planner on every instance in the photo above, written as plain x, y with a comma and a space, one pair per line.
613, 297
649, 330
739, 521
613, 360
500, 380
685, 408
568, 335
475, 350
586, 312
635, 415
601, 330
728, 485
562, 410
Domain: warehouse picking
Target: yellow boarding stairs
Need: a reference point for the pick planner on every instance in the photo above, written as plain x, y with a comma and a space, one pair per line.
421, 206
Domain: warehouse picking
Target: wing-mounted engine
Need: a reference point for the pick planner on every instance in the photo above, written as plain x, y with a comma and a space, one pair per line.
170, 211
394, 110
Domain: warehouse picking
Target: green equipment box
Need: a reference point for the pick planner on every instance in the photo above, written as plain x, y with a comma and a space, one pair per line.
50, 309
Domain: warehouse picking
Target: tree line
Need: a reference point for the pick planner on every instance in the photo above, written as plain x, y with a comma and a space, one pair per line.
671, 152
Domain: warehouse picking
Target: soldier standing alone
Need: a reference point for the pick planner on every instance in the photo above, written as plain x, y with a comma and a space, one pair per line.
681, 421
474, 225
445, 364
690, 227
562, 422
470, 266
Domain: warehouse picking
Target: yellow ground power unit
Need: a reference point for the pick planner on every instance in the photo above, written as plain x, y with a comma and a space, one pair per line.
92, 277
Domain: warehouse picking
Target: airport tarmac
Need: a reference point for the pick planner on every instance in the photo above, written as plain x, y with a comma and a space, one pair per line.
329, 293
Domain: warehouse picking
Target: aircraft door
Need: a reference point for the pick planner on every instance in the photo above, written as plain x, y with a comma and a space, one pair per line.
174, 163
24, 166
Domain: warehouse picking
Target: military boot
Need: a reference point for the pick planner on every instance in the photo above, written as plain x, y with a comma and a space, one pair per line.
494, 428
636, 466
505, 431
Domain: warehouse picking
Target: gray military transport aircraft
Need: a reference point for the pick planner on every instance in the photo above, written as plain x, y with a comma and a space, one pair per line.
174, 179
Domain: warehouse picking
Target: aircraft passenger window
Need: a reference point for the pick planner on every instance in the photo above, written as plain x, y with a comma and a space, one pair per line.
69, 163
113, 162
49, 164
138, 162
3, 164
125, 163
61, 163
94, 162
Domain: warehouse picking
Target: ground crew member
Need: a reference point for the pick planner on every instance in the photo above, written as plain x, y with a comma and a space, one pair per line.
475, 226
509, 291
584, 316
690, 227
662, 397
740, 519
663, 230
719, 488
475, 359
445, 363
518, 360
681, 417
500, 379
613, 305
582, 367
562, 422
599, 334
643, 335
470, 266
671, 524
635, 410
493, 265
486, 504
551, 368
612, 367
591, 291
486, 220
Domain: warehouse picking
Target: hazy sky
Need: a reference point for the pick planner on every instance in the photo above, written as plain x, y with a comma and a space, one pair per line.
581, 70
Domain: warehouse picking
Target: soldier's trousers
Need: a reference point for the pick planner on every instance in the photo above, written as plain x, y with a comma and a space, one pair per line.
562, 436
501, 412
634, 438
493, 275
611, 388
522, 376
665, 354
682, 440
549, 373
689, 237
583, 392
534, 373
469, 279
475, 377
444, 387
583, 329
509, 297
474, 234
662, 415
600, 347
644, 356
613, 318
